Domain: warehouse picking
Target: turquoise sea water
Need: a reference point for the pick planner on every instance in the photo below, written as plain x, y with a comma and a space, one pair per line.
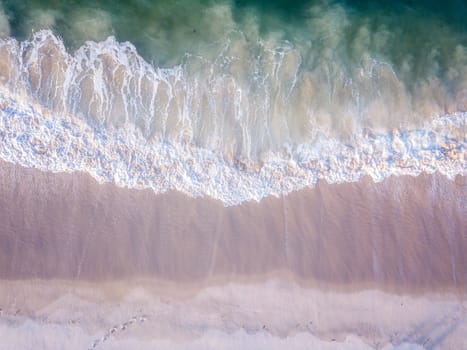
426, 33
418, 39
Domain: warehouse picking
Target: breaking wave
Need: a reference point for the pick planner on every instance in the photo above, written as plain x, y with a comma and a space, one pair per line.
250, 121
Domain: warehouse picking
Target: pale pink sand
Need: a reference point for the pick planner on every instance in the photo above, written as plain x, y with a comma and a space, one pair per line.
403, 234
275, 314
346, 266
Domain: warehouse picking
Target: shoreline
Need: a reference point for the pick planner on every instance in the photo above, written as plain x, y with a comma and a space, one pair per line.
57, 142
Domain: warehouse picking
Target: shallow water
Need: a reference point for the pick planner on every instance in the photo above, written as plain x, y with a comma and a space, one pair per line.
254, 88
329, 64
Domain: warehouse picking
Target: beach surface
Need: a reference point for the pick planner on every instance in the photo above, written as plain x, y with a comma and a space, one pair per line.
119, 268
403, 234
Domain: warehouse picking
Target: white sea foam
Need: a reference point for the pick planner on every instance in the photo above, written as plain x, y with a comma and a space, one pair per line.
32, 137
215, 128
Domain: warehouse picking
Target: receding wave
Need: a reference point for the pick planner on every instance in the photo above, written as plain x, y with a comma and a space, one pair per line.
251, 121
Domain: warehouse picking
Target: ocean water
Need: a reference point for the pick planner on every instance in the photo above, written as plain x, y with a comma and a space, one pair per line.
236, 100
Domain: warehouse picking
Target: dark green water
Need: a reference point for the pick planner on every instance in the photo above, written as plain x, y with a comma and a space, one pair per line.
421, 32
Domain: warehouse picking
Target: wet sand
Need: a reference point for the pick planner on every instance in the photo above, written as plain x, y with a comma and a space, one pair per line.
403, 234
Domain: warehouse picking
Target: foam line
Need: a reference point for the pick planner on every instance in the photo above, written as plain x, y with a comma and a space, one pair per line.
32, 137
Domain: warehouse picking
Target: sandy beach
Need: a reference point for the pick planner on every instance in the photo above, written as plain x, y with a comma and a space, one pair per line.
67, 226
113, 268
256, 315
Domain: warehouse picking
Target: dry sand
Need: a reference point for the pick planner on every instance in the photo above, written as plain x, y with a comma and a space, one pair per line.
268, 315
